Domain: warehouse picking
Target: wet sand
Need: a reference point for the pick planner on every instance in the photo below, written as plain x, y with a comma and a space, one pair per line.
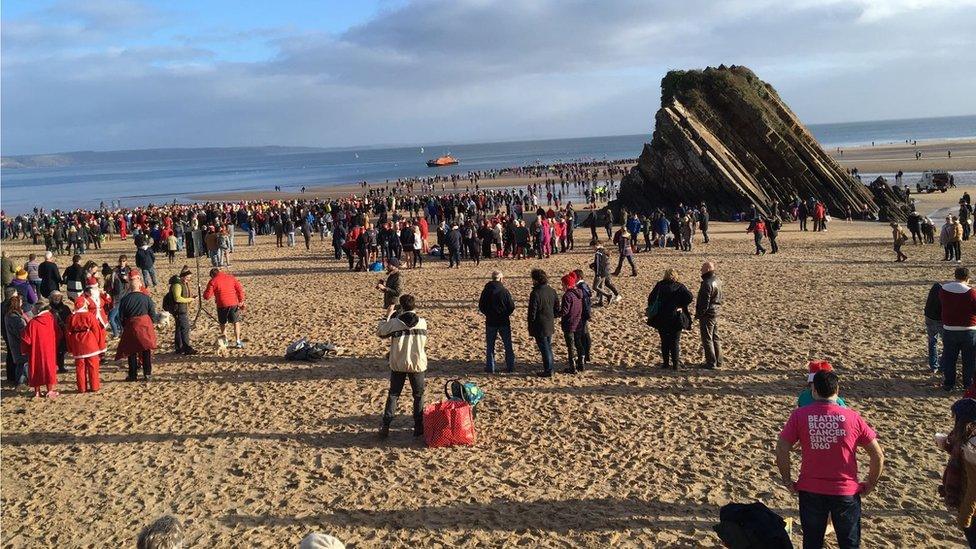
890, 158
252, 451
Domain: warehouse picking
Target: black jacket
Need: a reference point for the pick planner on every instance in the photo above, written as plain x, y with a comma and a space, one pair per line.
709, 297
50, 277
601, 264
543, 310
496, 304
933, 307
674, 297
145, 258
454, 239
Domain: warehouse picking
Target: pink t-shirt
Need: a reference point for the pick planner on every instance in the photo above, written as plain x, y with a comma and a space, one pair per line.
829, 436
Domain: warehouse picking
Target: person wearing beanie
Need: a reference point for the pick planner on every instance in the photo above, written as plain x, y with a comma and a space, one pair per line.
85, 339
179, 288
392, 287
583, 333
570, 319
706, 311
828, 485
137, 314
806, 396
39, 344
961, 442
25, 289
407, 332
316, 540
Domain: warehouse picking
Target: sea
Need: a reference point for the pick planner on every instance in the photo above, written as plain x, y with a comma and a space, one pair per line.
138, 179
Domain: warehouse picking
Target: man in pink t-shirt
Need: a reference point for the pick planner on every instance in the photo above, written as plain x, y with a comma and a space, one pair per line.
828, 486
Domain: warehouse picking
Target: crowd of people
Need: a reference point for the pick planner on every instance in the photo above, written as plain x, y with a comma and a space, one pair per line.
393, 229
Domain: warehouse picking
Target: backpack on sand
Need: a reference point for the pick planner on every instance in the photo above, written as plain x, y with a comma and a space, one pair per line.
752, 526
465, 391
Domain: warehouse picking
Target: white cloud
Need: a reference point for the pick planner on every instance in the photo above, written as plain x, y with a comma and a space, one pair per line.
437, 70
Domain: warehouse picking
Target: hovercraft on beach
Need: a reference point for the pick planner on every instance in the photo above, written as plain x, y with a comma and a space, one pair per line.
446, 160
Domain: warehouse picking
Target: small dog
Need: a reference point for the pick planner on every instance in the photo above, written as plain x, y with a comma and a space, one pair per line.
221, 346
165, 320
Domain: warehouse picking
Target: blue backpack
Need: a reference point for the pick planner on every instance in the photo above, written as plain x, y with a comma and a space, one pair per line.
467, 391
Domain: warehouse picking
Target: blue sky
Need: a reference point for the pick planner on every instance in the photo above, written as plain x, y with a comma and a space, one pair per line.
123, 74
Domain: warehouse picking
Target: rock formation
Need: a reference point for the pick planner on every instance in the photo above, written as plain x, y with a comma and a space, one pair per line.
723, 136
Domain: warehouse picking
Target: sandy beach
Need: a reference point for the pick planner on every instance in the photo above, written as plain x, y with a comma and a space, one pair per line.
250, 450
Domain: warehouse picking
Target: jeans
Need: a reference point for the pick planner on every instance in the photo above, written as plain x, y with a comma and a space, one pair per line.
844, 511
671, 348
933, 329
574, 351
545, 349
711, 344
149, 276
620, 263
396, 387
759, 247
773, 247
114, 322
492, 333
146, 358
583, 336
599, 283
182, 332
955, 342
455, 257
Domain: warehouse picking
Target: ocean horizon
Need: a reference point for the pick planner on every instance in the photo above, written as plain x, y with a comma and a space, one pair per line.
162, 175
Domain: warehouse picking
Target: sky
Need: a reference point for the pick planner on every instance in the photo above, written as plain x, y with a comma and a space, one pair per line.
133, 74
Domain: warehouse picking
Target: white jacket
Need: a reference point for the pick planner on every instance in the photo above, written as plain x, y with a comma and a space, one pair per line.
408, 341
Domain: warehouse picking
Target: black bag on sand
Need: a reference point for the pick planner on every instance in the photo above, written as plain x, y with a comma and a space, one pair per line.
304, 351
752, 526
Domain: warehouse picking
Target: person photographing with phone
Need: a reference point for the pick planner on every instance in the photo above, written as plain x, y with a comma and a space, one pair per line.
407, 332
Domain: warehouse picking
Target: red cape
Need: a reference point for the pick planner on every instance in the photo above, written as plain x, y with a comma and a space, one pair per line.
39, 343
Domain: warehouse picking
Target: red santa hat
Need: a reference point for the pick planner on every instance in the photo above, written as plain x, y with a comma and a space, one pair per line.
816, 366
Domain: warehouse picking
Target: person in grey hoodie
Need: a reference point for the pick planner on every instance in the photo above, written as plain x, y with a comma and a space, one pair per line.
408, 360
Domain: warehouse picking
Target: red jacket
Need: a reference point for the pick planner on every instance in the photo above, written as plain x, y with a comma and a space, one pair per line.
84, 335
958, 306
227, 290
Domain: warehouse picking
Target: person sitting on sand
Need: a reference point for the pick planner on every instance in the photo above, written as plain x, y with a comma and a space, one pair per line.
164, 533
828, 485
408, 360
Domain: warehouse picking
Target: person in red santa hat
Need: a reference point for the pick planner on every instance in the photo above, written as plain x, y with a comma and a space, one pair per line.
137, 312
39, 343
97, 301
85, 337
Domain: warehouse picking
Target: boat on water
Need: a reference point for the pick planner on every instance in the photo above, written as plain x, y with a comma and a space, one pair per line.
446, 160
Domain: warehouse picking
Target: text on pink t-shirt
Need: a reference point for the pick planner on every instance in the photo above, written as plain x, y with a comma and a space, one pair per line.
829, 436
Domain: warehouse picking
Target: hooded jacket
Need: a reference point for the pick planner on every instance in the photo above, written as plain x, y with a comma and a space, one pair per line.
408, 341
571, 310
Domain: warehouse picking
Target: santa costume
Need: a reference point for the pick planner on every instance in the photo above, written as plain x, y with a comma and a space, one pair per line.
39, 343
85, 337
97, 301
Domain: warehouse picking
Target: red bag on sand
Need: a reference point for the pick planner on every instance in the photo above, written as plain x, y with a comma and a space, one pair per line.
448, 423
